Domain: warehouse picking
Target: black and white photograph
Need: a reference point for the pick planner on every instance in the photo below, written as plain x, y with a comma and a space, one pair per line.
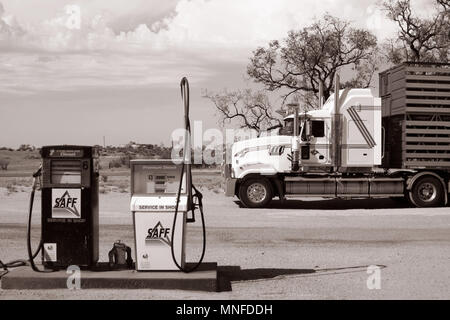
224, 155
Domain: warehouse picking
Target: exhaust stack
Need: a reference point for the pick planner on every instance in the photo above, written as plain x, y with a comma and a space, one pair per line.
295, 139
336, 131
320, 94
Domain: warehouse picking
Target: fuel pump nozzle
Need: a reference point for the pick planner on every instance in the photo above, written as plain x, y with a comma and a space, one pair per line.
193, 204
36, 177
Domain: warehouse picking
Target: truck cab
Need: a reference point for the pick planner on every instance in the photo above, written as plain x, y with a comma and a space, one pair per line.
360, 139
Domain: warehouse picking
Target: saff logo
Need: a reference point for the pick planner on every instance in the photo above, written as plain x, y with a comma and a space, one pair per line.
66, 203
158, 233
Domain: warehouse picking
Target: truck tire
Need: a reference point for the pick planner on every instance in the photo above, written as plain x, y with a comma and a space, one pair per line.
427, 192
255, 193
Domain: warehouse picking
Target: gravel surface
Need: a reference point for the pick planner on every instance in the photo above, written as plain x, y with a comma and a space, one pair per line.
315, 249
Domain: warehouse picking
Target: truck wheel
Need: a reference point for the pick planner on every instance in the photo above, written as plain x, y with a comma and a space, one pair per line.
255, 193
427, 192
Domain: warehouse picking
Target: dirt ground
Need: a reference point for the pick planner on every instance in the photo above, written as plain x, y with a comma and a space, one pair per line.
315, 249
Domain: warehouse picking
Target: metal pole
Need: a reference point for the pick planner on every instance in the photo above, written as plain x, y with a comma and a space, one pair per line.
295, 139
320, 94
336, 126
336, 94
296, 133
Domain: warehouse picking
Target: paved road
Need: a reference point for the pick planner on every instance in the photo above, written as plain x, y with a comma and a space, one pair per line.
299, 250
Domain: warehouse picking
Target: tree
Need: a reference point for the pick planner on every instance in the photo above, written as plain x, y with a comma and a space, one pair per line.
252, 109
312, 55
418, 39
26, 147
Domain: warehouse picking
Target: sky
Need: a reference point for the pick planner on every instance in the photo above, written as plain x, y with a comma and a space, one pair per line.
75, 71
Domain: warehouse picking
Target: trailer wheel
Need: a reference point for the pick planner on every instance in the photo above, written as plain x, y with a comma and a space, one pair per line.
427, 192
255, 193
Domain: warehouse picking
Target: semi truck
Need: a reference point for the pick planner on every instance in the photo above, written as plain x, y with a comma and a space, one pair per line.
356, 145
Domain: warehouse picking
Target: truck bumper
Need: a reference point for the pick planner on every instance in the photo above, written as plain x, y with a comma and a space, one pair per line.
230, 187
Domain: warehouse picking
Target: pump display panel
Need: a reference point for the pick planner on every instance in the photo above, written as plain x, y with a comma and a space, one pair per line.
66, 172
156, 177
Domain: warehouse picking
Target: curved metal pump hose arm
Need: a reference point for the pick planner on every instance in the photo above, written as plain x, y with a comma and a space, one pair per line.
186, 168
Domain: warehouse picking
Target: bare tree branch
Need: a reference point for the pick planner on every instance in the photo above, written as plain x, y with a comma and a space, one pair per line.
421, 39
252, 109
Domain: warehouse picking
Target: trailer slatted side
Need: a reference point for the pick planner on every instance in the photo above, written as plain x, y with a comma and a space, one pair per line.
416, 115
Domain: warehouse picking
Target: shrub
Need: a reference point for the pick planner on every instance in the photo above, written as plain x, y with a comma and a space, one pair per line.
125, 160
4, 164
32, 156
11, 188
116, 163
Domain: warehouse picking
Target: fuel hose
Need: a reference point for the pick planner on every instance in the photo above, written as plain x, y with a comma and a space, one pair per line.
191, 190
31, 255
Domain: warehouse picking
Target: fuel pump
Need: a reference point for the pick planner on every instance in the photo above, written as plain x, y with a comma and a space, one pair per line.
154, 186
162, 196
68, 177
70, 234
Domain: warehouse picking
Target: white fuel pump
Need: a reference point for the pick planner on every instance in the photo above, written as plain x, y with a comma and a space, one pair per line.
154, 187
162, 197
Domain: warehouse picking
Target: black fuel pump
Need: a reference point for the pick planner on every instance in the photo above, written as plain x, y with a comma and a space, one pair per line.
69, 178
70, 232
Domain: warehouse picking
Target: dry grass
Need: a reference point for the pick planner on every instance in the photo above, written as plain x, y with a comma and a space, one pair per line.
13, 184
115, 184
209, 182
22, 163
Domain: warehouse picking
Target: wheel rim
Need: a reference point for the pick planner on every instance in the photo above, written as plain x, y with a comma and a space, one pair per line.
427, 192
256, 192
